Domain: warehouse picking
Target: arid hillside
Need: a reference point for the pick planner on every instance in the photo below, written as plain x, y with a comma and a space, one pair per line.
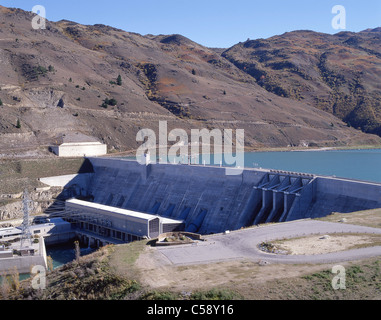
109, 84
340, 73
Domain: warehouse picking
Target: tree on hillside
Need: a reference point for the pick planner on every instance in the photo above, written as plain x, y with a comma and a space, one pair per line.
109, 102
119, 80
112, 102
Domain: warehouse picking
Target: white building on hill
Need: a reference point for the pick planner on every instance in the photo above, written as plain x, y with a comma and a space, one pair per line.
78, 145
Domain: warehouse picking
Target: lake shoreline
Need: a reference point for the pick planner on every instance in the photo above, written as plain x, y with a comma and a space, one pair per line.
131, 153
313, 149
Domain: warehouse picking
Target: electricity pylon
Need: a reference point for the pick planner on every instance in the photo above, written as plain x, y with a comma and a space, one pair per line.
26, 236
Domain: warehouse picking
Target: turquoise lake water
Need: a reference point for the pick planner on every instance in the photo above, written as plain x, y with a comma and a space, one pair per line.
353, 164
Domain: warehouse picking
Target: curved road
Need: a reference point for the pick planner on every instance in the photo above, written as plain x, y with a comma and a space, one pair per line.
243, 244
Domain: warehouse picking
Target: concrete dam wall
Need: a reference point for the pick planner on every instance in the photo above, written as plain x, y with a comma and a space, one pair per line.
209, 201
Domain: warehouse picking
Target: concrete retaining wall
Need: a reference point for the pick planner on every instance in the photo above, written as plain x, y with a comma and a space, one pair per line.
349, 188
23, 264
81, 180
342, 195
60, 238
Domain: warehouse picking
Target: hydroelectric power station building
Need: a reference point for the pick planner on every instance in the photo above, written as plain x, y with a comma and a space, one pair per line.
99, 223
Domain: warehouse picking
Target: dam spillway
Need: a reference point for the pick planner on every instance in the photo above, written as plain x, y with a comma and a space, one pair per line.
206, 200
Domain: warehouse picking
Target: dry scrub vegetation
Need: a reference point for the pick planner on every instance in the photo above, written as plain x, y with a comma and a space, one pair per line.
368, 218
318, 244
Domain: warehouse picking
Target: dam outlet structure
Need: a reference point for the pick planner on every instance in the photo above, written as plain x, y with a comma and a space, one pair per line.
127, 201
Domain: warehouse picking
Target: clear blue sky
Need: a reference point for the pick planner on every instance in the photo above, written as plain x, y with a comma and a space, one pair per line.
213, 23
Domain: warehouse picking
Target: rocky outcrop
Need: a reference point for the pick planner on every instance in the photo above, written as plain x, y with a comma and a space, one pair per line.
41, 200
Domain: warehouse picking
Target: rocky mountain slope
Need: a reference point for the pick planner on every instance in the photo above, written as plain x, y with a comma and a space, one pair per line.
340, 73
66, 79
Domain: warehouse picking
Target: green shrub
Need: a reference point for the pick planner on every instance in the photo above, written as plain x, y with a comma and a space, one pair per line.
109, 102
113, 102
215, 294
41, 70
160, 295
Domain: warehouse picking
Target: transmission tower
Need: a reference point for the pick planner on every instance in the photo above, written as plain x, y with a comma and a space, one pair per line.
26, 236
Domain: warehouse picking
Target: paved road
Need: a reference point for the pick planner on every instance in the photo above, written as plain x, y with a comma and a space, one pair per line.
243, 244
